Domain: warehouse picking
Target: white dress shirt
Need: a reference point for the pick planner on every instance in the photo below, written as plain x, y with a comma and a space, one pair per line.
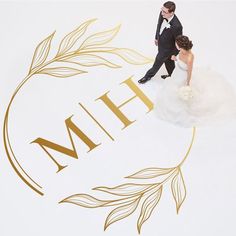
165, 24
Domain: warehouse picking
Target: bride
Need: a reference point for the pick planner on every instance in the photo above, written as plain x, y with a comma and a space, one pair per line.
193, 97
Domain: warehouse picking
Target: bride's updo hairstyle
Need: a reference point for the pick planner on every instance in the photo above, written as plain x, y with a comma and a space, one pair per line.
184, 42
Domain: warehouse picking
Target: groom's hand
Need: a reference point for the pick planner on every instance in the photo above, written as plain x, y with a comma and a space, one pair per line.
156, 42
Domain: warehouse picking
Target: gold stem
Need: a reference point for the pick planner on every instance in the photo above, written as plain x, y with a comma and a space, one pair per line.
177, 168
9, 151
189, 148
7, 144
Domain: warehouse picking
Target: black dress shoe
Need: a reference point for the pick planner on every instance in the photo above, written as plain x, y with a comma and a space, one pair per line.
144, 80
164, 76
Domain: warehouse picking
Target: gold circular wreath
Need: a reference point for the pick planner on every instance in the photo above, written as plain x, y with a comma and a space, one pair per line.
91, 53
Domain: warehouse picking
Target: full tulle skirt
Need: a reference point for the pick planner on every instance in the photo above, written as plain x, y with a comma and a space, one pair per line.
212, 100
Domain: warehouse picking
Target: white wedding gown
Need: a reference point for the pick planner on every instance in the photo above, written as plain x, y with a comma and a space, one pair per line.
213, 99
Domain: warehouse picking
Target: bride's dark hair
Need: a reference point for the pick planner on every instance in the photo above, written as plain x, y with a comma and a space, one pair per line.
184, 42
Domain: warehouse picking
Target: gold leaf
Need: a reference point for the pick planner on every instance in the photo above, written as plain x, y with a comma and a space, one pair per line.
148, 206
121, 201
125, 189
84, 200
99, 38
178, 189
98, 49
41, 52
150, 173
70, 39
131, 56
90, 60
61, 72
121, 212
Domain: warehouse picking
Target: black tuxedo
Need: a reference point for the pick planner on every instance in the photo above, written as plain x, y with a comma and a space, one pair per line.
166, 46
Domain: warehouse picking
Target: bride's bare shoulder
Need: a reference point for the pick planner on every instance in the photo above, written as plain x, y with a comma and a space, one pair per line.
190, 57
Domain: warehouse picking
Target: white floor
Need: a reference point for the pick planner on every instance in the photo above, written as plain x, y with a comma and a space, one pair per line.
209, 171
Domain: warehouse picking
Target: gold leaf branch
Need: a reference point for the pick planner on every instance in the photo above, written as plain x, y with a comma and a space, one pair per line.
41, 53
70, 39
86, 55
100, 38
130, 195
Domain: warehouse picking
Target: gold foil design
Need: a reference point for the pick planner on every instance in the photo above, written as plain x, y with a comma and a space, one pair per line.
129, 196
86, 55
116, 109
93, 118
70, 152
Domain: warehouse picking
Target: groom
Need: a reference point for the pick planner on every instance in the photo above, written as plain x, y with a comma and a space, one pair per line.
168, 28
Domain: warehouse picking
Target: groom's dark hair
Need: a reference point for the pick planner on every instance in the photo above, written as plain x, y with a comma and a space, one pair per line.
170, 6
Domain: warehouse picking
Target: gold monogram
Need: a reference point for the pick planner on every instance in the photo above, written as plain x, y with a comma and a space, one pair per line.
87, 55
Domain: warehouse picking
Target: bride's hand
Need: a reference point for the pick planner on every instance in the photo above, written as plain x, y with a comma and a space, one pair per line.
173, 57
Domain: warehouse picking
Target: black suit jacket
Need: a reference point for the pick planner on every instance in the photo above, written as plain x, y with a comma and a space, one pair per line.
166, 41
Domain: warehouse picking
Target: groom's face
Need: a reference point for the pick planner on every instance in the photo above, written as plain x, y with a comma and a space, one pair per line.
165, 13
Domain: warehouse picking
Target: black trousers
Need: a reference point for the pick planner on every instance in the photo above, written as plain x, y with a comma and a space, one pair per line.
162, 57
